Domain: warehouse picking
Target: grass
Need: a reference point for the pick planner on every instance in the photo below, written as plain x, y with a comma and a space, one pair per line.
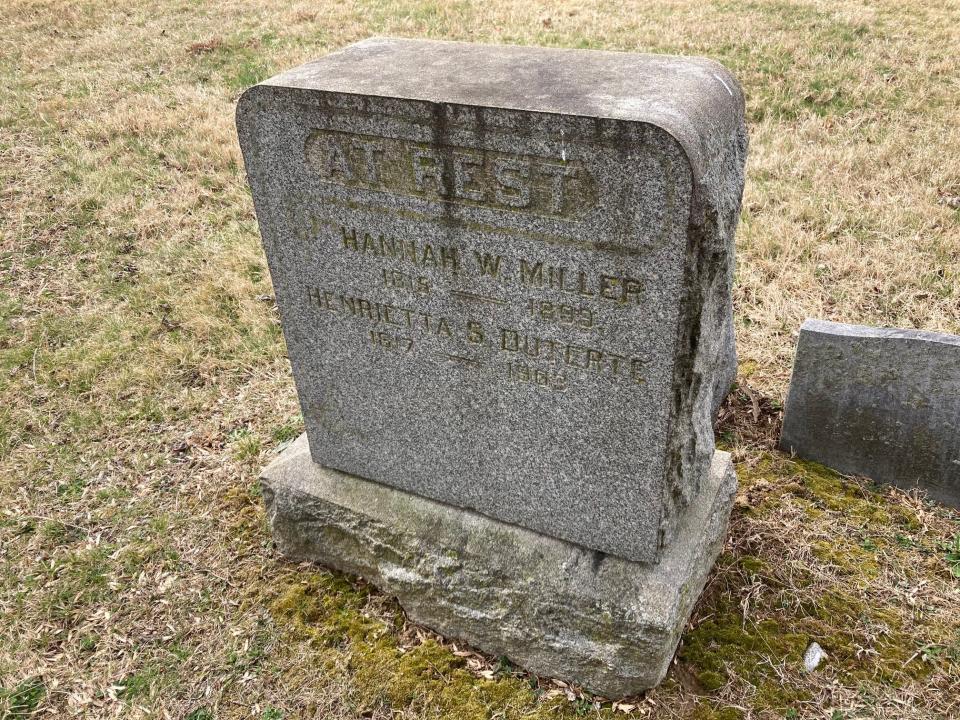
143, 381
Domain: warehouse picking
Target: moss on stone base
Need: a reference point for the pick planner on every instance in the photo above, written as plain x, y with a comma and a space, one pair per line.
831, 579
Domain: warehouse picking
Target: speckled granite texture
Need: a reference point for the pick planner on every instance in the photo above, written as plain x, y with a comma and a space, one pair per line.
504, 274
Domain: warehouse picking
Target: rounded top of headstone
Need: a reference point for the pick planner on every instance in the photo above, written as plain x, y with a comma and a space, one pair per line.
695, 100
826, 327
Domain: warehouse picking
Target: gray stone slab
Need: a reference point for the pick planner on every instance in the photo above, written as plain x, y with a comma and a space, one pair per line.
504, 274
552, 607
877, 402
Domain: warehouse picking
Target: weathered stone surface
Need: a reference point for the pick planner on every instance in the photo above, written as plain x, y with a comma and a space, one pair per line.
878, 402
504, 274
553, 607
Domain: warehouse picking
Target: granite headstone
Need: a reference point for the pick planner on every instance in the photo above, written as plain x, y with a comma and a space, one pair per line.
504, 274
504, 280
878, 402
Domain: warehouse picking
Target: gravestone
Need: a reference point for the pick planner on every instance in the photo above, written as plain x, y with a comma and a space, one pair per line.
882, 403
504, 279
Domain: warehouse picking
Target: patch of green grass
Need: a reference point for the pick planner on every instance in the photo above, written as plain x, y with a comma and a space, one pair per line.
289, 431
245, 445
250, 655
936, 653
248, 72
952, 555
201, 713
57, 533
236, 62
73, 487
138, 684
139, 554
23, 700
154, 678
256, 272
79, 580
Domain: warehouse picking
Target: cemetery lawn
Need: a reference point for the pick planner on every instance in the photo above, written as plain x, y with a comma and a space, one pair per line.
143, 381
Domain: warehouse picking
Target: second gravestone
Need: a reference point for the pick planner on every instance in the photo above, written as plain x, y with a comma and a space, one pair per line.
504, 277
879, 402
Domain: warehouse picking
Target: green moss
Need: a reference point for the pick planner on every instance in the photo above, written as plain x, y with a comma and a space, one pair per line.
760, 471
823, 490
752, 565
830, 490
857, 500
328, 612
707, 711
712, 681
864, 642
847, 558
867, 642
724, 646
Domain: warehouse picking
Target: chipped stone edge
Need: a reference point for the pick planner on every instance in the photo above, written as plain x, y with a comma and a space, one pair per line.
555, 608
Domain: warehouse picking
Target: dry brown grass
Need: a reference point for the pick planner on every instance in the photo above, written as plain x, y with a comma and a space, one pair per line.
143, 381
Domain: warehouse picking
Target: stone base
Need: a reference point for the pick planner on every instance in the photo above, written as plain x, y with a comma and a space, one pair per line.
551, 607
